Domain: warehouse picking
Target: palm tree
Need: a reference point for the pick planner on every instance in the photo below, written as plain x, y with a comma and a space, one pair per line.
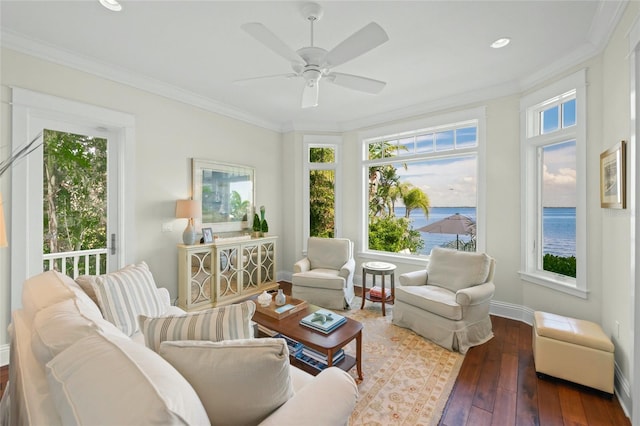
415, 198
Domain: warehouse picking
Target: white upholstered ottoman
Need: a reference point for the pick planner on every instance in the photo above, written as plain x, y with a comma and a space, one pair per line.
574, 350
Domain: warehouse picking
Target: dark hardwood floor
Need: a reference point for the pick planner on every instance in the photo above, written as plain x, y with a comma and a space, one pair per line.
497, 385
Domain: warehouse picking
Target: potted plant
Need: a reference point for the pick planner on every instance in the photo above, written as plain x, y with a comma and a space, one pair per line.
264, 227
256, 225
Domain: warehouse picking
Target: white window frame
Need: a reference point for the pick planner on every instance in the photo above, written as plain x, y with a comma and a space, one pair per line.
395, 131
321, 141
531, 218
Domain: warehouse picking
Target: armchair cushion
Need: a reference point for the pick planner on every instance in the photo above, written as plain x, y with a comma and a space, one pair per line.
321, 278
328, 253
430, 298
455, 270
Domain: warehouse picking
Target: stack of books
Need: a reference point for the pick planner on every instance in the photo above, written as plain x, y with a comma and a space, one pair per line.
377, 292
318, 360
294, 346
323, 320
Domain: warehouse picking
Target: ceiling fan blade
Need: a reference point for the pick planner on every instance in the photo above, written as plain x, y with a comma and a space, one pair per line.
356, 82
269, 39
264, 77
310, 95
359, 43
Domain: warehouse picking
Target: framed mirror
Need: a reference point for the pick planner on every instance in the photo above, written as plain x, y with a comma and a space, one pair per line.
226, 192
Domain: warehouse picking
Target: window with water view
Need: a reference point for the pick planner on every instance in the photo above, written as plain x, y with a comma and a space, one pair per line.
422, 189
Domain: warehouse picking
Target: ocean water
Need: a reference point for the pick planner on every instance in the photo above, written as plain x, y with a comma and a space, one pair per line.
559, 226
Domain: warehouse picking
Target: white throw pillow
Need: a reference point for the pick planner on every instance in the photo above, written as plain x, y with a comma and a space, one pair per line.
455, 270
111, 380
127, 293
240, 382
58, 326
216, 324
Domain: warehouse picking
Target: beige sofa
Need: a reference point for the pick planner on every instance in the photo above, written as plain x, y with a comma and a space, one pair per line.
69, 365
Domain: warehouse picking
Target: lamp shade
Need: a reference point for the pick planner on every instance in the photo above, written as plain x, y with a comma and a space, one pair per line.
188, 209
3, 231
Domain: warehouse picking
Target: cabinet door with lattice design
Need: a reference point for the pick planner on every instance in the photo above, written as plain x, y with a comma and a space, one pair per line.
196, 278
267, 262
229, 261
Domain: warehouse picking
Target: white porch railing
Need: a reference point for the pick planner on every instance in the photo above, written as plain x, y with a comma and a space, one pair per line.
83, 262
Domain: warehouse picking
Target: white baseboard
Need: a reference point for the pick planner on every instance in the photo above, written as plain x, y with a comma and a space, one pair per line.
4, 355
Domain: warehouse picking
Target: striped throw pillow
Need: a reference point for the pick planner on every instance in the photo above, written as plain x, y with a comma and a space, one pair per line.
230, 322
127, 293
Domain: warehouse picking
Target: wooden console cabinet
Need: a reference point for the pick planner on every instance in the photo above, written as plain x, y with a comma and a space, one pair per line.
224, 272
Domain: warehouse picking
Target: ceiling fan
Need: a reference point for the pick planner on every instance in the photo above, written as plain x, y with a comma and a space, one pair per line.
314, 64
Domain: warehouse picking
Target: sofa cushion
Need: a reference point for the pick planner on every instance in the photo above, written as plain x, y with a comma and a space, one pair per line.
239, 382
127, 293
216, 324
111, 380
437, 300
328, 253
42, 290
58, 326
455, 270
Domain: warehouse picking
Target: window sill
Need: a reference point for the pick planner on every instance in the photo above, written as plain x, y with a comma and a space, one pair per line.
395, 258
554, 284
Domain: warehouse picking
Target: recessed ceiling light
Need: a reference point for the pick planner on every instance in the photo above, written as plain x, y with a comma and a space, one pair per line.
111, 5
501, 42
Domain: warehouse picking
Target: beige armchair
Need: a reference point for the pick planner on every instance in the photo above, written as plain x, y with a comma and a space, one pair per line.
448, 302
325, 276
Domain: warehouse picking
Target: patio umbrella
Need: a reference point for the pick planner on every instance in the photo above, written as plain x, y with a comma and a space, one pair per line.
455, 224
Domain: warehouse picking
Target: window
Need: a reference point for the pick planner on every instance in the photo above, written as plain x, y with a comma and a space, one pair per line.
553, 186
321, 190
418, 182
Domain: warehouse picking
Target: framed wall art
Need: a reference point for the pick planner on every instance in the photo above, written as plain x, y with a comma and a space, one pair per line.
225, 192
613, 177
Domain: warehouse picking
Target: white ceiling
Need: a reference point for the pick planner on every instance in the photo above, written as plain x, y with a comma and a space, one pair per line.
437, 55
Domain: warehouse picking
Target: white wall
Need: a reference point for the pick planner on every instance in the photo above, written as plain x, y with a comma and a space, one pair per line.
615, 235
168, 135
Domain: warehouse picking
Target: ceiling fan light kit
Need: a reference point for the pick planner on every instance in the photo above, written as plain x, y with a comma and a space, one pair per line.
314, 64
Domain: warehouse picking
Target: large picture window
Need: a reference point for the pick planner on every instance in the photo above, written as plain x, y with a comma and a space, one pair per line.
554, 188
421, 189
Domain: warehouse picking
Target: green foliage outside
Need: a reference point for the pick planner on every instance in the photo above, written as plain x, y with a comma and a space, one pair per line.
75, 193
393, 234
560, 265
321, 195
386, 231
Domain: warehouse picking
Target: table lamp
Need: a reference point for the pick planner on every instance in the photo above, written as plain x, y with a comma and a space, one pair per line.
188, 209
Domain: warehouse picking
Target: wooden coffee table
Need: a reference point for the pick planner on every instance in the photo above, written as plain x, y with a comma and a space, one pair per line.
325, 343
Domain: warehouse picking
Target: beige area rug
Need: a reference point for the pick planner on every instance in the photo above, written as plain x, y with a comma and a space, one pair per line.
407, 379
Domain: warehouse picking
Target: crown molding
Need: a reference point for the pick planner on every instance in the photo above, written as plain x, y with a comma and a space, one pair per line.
90, 65
604, 23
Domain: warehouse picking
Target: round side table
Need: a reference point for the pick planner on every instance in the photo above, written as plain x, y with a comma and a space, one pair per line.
378, 268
